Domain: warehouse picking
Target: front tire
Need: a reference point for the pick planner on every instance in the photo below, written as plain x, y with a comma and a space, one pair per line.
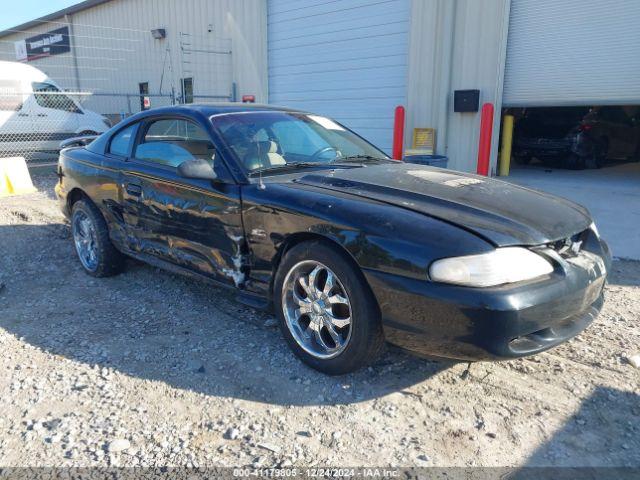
90, 233
327, 312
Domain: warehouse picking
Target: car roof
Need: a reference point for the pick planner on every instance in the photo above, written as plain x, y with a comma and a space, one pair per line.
21, 71
209, 109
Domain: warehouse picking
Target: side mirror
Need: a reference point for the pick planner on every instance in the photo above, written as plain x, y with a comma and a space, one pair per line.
197, 168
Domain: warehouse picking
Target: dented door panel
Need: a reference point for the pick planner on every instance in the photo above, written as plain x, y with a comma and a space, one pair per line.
195, 224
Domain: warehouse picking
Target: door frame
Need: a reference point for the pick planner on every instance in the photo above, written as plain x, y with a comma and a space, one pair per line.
226, 189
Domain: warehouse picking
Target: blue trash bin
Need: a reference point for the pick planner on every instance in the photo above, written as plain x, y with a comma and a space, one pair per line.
430, 160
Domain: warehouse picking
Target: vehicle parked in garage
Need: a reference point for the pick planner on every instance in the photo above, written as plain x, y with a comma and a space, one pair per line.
577, 137
35, 114
349, 247
615, 130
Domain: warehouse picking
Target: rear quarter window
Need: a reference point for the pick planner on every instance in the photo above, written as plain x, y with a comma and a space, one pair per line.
122, 141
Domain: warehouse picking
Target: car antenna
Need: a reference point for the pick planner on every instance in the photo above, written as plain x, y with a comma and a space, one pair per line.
464, 375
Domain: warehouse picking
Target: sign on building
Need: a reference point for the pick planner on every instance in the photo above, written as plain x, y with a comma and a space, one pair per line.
47, 44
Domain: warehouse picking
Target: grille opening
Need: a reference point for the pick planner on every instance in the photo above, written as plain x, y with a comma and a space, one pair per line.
571, 246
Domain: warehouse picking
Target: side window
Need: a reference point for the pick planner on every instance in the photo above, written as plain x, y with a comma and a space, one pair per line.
49, 96
170, 142
121, 142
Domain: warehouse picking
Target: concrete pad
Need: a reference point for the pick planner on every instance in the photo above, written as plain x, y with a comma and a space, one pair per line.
612, 195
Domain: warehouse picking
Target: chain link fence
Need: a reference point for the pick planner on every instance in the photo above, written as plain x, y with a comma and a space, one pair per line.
65, 80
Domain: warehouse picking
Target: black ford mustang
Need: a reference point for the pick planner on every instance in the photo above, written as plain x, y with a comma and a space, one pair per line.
351, 248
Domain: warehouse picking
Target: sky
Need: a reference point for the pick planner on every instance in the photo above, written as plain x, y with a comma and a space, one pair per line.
14, 12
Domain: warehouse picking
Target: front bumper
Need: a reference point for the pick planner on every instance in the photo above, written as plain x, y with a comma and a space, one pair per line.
433, 319
543, 148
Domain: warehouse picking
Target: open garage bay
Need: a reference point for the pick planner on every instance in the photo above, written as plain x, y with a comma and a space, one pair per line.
612, 195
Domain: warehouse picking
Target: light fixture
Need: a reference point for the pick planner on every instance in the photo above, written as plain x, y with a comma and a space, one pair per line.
159, 33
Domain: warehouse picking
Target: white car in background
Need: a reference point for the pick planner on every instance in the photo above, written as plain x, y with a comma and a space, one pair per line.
35, 114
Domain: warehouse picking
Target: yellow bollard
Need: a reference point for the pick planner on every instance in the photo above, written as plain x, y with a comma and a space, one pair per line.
505, 151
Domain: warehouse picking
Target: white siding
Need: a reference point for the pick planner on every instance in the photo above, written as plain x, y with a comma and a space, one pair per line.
346, 59
573, 52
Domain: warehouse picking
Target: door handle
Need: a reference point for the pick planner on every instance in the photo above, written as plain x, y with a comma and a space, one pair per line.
134, 189
42, 115
23, 114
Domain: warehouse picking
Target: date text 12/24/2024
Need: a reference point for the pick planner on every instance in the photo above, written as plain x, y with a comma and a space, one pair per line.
316, 472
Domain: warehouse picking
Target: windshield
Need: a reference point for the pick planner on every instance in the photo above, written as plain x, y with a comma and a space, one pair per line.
262, 140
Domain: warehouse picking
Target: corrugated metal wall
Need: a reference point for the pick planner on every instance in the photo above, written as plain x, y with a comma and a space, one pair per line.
115, 50
573, 52
455, 46
346, 59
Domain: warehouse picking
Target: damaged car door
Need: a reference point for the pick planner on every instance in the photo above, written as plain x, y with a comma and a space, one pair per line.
194, 223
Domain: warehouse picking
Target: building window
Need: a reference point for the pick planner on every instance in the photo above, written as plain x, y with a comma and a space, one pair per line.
145, 101
187, 90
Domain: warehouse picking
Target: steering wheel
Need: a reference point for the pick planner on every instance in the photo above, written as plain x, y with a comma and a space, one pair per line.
323, 150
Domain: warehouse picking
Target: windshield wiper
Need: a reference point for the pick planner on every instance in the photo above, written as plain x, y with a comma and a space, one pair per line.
357, 158
287, 166
350, 160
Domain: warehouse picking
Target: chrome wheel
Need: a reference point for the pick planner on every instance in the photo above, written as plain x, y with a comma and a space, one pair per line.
85, 239
316, 309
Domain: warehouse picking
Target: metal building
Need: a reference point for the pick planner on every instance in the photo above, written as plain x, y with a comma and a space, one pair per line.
120, 56
347, 60
354, 60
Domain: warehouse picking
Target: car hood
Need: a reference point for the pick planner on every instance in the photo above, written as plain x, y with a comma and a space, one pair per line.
500, 212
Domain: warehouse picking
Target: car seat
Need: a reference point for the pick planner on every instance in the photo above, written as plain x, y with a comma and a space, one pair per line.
263, 154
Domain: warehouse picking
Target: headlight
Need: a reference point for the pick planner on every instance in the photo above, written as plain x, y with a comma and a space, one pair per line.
107, 122
502, 265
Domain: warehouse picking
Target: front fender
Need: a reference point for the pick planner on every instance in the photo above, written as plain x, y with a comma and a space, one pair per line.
379, 237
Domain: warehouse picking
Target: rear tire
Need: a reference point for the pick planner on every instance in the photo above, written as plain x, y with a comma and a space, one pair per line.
359, 342
90, 233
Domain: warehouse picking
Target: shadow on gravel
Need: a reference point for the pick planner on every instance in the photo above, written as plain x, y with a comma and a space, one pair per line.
154, 325
605, 428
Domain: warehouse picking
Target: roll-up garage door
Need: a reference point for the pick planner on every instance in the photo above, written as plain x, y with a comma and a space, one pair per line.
346, 59
573, 52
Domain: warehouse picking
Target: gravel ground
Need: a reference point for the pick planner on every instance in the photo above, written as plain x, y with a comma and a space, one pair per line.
153, 369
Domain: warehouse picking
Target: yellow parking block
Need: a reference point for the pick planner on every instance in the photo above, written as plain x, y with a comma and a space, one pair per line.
14, 177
